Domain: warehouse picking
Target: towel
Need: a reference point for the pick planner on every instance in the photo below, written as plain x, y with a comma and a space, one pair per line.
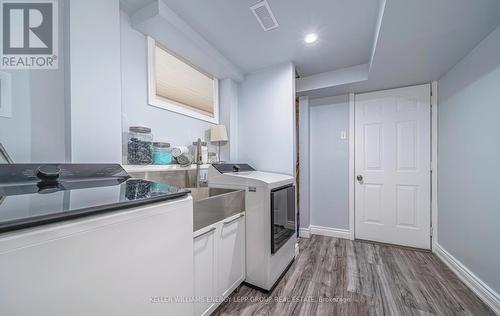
184, 160
179, 150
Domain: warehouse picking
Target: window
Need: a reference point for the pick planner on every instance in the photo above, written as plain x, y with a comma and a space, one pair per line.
177, 86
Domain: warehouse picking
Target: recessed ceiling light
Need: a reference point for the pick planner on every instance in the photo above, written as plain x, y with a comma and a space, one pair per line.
311, 38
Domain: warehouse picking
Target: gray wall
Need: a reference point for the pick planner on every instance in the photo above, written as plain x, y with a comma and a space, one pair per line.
47, 115
228, 101
95, 81
266, 119
48, 110
329, 162
168, 126
469, 158
304, 150
75, 113
15, 131
36, 130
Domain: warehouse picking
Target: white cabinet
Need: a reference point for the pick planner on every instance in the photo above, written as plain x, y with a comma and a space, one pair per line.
121, 263
219, 262
231, 254
205, 270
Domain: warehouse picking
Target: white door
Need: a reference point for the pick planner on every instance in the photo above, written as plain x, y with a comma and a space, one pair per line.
392, 162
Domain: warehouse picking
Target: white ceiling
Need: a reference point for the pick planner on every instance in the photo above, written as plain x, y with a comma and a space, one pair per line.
419, 40
231, 27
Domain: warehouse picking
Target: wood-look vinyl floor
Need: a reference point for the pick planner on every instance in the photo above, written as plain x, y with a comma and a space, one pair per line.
341, 277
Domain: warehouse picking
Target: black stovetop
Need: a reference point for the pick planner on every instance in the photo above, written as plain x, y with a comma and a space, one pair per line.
35, 194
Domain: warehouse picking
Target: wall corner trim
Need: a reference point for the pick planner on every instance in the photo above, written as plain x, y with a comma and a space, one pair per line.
330, 232
434, 161
352, 167
481, 289
305, 232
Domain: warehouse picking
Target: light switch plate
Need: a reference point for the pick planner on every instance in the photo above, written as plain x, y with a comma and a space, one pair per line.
343, 135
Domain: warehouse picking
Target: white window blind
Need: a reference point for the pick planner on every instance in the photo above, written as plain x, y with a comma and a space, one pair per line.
178, 81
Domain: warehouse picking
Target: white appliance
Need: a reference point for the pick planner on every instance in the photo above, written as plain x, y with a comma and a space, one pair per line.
270, 219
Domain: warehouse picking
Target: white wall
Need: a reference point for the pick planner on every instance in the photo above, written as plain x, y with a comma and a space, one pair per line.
95, 118
329, 162
468, 158
166, 126
266, 119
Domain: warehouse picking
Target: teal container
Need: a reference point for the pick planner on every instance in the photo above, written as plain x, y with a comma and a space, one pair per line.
161, 153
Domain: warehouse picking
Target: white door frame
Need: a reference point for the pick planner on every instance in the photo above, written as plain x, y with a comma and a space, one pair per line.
434, 164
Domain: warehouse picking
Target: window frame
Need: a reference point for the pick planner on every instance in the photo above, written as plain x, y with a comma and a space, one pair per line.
170, 105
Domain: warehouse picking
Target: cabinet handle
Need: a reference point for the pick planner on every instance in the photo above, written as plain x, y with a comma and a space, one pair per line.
234, 219
203, 234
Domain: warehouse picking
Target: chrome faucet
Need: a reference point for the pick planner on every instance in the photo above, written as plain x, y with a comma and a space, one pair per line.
198, 161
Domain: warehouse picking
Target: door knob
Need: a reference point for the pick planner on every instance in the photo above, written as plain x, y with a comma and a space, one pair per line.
360, 178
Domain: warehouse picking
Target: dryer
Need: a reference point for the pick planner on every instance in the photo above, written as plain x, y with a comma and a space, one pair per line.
270, 219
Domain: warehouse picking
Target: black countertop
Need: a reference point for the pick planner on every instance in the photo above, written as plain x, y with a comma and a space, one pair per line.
25, 202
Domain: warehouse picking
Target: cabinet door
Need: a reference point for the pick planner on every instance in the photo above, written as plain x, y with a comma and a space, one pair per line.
205, 270
231, 254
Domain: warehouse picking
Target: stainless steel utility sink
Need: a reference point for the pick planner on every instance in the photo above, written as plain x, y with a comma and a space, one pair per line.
178, 178
212, 205
205, 193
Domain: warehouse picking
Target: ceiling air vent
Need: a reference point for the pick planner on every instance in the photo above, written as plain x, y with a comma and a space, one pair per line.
264, 15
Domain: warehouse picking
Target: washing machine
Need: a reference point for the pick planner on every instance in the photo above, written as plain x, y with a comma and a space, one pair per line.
270, 219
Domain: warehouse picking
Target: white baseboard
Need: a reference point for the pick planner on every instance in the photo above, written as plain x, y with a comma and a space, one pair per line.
481, 289
330, 232
304, 232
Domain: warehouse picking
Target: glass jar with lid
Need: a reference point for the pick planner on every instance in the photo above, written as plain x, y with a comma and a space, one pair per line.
140, 145
161, 153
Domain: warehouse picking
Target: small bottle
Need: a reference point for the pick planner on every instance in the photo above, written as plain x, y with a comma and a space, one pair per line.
161, 153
